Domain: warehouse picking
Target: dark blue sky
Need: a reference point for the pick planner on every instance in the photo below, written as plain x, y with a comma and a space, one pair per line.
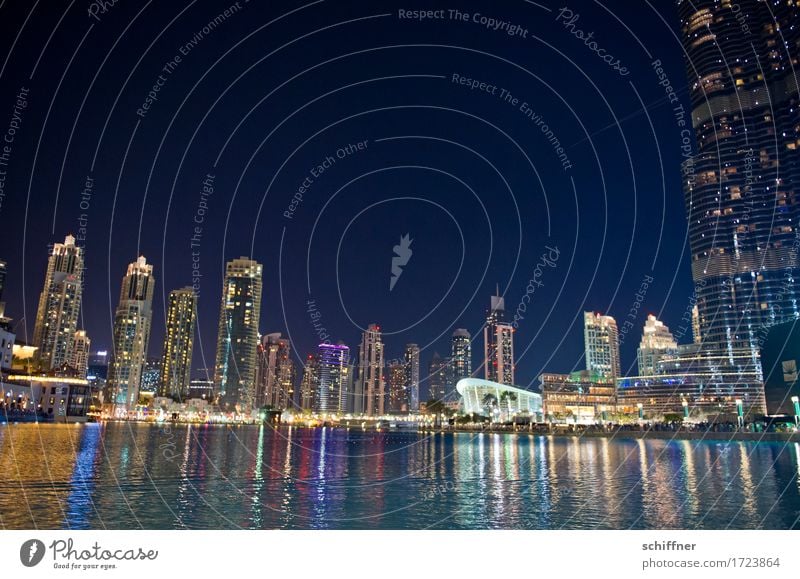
265, 95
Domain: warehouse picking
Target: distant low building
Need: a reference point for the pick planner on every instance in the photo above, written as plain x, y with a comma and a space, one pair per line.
500, 402
48, 398
582, 396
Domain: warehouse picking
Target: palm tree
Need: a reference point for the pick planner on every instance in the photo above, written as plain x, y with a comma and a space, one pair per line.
489, 402
506, 398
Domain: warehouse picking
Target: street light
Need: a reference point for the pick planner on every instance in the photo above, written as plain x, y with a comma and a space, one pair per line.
796, 402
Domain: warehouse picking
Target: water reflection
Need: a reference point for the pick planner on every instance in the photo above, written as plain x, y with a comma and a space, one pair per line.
139, 476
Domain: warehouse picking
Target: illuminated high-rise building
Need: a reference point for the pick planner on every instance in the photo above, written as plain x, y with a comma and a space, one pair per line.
657, 342
309, 383
411, 376
601, 339
742, 183
59, 305
460, 356
275, 373
438, 372
132, 321
237, 340
498, 339
333, 371
176, 358
398, 395
370, 396
79, 358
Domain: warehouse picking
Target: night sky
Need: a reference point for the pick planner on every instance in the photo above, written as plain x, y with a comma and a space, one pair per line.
259, 100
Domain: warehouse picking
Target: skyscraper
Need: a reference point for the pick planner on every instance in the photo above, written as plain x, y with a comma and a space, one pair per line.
411, 376
398, 395
498, 339
438, 370
657, 341
176, 358
309, 382
333, 372
460, 355
601, 339
370, 389
79, 359
742, 183
237, 340
59, 305
132, 322
275, 373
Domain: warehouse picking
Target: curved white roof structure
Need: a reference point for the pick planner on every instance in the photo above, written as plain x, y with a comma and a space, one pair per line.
483, 397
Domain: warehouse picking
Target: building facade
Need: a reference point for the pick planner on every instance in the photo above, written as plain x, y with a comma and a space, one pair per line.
498, 339
578, 397
79, 358
411, 376
741, 184
438, 377
275, 373
176, 358
59, 305
132, 322
601, 340
657, 341
398, 394
309, 383
460, 355
370, 396
237, 338
332, 377
500, 402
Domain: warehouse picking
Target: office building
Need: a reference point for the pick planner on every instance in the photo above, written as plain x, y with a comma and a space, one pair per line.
601, 340
370, 396
59, 305
132, 322
438, 377
309, 383
411, 376
578, 397
398, 395
657, 341
176, 357
275, 373
237, 340
742, 183
498, 339
460, 356
332, 377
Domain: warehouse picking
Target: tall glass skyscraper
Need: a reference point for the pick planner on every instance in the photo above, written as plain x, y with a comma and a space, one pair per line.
601, 339
438, 371
176, 360
741, 184
411, 376
460, 356
59, 305
275, 372
237, 339
132, 322
371, 388
498, 339
331, 393
309, 382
